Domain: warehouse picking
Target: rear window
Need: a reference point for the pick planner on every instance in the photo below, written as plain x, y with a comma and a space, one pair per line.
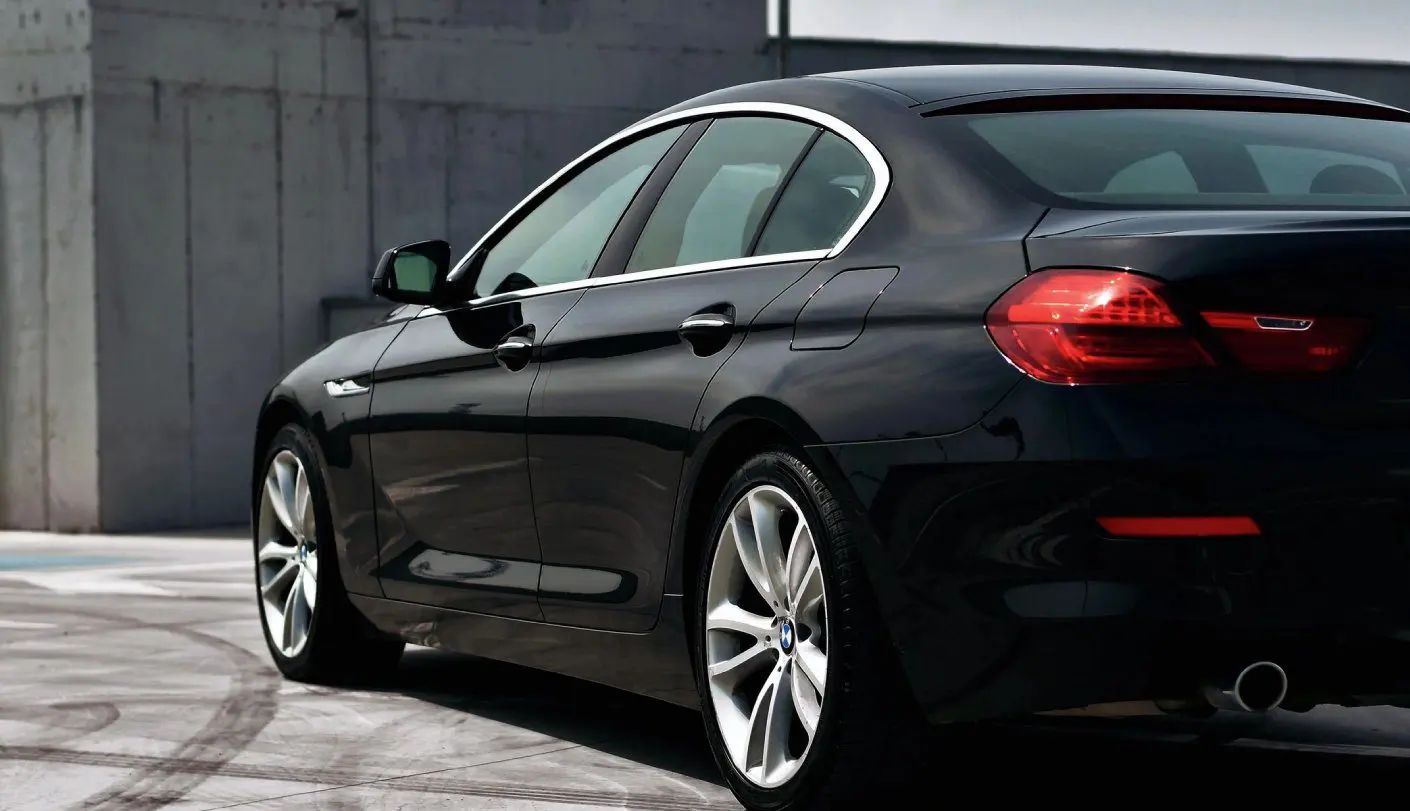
1183, 158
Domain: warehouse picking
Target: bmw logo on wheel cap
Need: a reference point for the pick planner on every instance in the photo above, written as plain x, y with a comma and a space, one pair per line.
785, 636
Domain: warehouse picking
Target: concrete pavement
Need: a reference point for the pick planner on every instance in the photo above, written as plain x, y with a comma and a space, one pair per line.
133, 675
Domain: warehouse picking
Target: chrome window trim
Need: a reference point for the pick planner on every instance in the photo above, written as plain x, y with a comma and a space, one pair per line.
642, 275
881, 173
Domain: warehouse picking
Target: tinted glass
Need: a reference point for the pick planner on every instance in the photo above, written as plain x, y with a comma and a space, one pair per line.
1218, 158
712, 207
821, 200
560, 240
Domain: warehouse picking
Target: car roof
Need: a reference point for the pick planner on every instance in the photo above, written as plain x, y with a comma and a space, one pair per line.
927, 84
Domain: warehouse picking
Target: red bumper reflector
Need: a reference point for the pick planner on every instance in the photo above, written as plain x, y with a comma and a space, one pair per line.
1179, 527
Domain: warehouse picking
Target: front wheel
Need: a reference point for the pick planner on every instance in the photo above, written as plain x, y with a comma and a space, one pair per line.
801, 699
313, 631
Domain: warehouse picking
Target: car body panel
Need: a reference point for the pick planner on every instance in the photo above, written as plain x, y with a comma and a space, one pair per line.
655, 664
609, 427
339, 427
450, 463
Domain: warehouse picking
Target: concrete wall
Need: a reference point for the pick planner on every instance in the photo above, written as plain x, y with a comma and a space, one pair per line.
236, 191
48, 366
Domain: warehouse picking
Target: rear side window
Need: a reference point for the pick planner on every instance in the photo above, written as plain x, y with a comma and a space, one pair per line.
711, 209
821, 201
1180, 158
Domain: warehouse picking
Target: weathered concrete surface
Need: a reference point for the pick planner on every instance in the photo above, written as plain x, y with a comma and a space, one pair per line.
245, 128
185, 182
144, 679
48, 354
133, 675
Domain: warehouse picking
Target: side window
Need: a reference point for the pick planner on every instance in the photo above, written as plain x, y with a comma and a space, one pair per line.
821, 200
560, 239
712, 207
1303, 170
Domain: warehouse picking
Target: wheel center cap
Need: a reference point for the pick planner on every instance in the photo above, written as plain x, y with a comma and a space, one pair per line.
303, 552
785, 636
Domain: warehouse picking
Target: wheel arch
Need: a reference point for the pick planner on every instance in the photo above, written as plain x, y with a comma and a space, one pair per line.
279, 409
740, 431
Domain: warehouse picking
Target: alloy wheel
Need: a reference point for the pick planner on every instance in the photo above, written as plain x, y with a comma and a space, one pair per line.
287, 554
766, 636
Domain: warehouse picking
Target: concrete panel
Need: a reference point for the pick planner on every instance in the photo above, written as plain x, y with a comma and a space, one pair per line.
23, 321
71, 404
235, 194
324, 243
144, 286
43, 50
411, 184
488, 172
235, 291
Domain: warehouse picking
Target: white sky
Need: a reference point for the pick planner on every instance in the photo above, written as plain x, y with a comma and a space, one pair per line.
1372, 30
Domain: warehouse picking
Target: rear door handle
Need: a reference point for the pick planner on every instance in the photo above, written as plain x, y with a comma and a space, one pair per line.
708, 331
514, 352
702, 324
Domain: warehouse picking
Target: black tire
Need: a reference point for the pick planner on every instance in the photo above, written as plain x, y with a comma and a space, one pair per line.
868, 717
342, 647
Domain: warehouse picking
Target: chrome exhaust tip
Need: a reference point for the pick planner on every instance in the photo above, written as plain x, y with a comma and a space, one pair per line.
1258, 688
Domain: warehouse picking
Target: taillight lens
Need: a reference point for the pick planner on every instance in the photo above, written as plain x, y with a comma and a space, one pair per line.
1283, 345
1083, 326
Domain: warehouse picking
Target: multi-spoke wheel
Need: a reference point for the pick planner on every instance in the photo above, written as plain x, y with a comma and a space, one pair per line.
766, 636
799, 690
313, 631
288, 553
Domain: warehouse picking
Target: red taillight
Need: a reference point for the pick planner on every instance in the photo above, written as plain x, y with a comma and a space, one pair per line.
1083, 326
1284, 345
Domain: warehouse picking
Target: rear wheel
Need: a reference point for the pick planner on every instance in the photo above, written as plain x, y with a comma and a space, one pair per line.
801, 698
313, 631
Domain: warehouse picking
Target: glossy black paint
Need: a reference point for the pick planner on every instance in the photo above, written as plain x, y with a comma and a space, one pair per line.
610, 422
551, 515
451, 468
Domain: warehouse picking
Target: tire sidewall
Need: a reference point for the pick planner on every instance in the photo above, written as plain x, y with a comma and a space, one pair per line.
778, 469
296, 439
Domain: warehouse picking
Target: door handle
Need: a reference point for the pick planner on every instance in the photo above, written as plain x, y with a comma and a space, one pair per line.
702, 324
514, 352
708, 331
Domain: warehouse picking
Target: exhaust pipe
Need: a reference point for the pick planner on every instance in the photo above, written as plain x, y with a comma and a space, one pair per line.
1260, 687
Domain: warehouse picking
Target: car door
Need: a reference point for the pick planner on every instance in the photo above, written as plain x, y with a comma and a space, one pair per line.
454, 515
756, 203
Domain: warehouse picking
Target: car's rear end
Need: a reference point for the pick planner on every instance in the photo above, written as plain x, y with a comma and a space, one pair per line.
1219, 305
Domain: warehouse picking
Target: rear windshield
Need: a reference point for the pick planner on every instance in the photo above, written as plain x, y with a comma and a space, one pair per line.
1184, 158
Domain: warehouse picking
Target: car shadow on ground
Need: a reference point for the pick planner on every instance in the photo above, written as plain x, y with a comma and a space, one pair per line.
1066, 759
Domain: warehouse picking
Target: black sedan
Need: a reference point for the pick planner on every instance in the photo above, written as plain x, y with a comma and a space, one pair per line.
832, 405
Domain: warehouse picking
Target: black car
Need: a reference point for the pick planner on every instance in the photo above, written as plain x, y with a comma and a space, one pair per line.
837, 403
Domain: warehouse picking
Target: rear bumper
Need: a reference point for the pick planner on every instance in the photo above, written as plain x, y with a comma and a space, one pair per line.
1004, 596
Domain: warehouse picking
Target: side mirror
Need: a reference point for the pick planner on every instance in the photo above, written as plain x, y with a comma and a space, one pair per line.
414, 274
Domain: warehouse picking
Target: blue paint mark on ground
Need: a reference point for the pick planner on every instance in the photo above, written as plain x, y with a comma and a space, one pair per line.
12, 562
